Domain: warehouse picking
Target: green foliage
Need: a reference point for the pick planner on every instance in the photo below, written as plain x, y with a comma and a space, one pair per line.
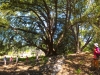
22, 59
4, 6
4, 23
10, 53
44, 46
2, 53
78, 71
29, 59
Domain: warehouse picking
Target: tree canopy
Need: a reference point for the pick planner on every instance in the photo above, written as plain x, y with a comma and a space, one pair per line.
54, 26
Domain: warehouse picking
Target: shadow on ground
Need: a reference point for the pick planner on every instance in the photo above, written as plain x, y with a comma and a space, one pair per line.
75, 64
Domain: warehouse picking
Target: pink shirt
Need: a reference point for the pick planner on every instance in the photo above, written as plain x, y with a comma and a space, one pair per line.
96, 52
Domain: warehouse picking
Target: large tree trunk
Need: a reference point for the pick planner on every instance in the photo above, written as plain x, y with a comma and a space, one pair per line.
75, 32
78, 50
51, 51
77, 39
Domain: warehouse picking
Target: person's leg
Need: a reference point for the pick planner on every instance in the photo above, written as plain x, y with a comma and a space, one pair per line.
5, 62
96, 64
95, 61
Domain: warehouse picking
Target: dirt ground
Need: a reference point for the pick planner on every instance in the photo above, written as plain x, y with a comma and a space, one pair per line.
73, 64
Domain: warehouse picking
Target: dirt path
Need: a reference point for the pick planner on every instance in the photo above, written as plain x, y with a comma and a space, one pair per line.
79, 64
20, 69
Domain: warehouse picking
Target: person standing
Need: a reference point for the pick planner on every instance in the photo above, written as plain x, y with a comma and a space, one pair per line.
5, 60
96, 51
16, 59
96, 54
26, 59
11, 60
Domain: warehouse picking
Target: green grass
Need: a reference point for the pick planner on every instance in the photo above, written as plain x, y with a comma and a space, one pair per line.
78, 71
29, 58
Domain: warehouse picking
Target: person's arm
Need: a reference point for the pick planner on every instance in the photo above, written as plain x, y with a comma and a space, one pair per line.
95, 50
